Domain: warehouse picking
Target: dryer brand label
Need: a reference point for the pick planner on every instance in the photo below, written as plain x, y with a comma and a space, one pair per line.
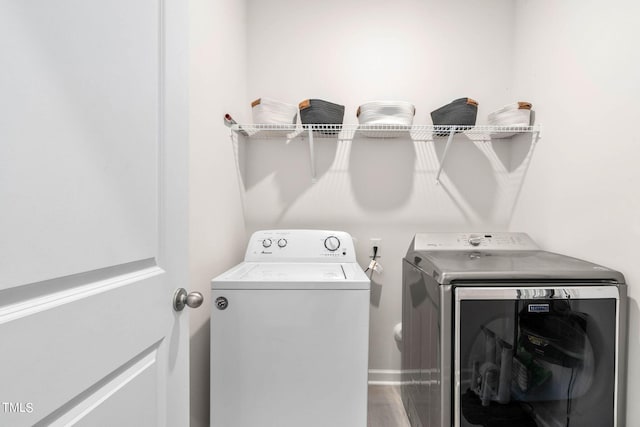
538, 308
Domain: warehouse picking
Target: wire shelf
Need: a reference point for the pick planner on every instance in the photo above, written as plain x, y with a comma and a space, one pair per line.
351, 131
310, 132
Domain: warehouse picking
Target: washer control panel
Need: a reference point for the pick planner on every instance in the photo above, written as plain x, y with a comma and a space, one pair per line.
474, 241
300, 245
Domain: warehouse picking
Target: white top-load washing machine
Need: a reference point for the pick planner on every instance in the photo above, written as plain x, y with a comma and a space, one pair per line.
290, 334
499, 333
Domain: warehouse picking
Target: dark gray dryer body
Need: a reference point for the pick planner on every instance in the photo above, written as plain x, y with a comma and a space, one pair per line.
496, 332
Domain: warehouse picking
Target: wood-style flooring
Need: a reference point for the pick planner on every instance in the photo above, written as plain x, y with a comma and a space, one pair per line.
385, 408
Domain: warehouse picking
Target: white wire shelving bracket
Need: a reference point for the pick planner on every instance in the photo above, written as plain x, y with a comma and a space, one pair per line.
311, 132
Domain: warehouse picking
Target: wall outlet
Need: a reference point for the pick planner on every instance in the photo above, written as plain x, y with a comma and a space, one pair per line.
375, 241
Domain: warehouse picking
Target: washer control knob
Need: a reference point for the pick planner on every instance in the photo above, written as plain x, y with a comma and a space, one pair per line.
282, 243
266, 243
332, 243
475, 240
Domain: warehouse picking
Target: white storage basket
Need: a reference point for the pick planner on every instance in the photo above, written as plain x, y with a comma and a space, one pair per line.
517, 114
272, 112
385, 114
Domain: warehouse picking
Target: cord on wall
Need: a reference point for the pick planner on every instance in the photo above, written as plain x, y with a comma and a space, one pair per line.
374, 265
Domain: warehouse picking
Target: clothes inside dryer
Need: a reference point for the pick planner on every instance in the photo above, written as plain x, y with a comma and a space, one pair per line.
541, 362
551, 331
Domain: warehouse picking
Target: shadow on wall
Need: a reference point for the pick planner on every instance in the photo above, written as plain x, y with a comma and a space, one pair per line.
512, 152
382, 172
469, 171
376, 291
481, 178
199, 375
289, 163
484, 177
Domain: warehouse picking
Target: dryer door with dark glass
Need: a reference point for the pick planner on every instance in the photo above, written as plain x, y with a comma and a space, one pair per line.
535, 357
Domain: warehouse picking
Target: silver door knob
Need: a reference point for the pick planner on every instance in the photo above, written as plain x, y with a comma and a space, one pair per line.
181, 298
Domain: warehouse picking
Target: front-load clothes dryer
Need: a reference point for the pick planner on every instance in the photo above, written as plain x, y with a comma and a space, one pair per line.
497, 332
290, 333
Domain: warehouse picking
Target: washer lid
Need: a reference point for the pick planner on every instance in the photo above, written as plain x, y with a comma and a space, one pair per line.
299, 275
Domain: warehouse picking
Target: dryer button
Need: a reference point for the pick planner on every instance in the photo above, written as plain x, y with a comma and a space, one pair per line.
475, 240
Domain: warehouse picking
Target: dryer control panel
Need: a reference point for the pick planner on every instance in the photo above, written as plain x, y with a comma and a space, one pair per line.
474, 241
300, 245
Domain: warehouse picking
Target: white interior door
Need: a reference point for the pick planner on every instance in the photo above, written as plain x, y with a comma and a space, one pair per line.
93, 217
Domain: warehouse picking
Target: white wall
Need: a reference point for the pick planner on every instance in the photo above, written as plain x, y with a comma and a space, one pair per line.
426, 52
579, 63
217, 237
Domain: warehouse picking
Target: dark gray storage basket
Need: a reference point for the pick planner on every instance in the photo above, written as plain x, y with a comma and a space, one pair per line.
318, 111
460, 113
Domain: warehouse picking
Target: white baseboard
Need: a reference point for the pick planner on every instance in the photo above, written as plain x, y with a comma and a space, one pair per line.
384, 376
